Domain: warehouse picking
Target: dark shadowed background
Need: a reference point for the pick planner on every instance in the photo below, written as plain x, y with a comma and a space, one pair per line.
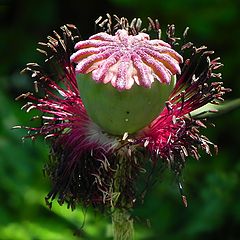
211, 184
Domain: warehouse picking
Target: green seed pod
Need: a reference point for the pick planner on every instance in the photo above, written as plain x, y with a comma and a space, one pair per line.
117, 112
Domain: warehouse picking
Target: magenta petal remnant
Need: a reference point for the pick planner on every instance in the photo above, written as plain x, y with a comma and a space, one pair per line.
175, 135
125, 59
65, 124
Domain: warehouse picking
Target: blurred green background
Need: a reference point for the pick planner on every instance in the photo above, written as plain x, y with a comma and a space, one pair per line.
211, 184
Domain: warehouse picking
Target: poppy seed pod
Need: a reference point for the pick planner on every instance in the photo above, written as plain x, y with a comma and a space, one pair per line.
114, 102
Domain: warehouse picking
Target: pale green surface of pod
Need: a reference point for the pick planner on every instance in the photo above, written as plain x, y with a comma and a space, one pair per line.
117, 112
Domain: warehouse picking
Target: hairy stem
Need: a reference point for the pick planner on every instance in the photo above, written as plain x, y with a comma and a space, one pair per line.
122, 225
121, 219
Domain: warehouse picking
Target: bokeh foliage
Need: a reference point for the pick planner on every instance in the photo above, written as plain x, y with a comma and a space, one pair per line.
211, 184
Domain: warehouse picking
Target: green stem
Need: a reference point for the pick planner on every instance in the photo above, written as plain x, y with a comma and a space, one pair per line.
122, 225
121, 219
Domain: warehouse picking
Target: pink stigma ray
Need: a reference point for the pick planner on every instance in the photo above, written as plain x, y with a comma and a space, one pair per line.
123, 59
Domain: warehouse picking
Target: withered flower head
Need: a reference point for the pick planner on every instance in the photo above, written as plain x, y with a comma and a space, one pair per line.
113, 102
